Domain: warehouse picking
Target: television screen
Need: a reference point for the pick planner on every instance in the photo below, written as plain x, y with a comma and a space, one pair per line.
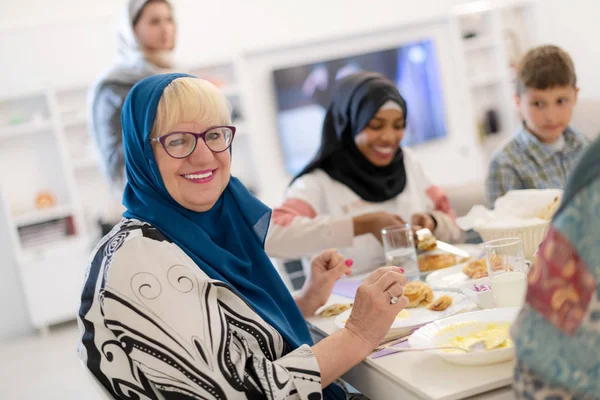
304, 93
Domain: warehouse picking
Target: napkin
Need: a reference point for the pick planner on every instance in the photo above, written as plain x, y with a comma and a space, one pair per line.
517, 208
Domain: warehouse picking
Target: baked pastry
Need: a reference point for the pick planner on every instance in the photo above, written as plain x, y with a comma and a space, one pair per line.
441, 303
433, 262
476, 269
418, 294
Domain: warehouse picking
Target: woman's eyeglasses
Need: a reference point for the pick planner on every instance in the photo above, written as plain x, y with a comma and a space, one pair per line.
182, 144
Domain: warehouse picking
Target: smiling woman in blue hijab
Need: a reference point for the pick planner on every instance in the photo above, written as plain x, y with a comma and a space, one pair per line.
180, 300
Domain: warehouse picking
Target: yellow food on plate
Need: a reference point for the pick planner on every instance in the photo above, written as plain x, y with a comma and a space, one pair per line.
334, 309
440, 304
433, 262
419, 294
476, 269
492, 335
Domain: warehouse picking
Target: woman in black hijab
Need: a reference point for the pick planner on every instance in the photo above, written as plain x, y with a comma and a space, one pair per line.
360, 181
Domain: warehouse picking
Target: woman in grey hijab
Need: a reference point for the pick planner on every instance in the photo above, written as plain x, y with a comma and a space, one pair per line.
145, 45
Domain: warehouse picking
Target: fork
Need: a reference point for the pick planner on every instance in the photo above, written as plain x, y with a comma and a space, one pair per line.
473, 348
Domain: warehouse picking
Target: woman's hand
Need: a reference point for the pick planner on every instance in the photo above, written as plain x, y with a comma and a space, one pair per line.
326, 268
374, 222
373, 313
419, 221
370, 320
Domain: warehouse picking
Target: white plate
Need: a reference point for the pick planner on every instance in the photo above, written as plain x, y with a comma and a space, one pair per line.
430, 336
420, 315
452, 278
474, 250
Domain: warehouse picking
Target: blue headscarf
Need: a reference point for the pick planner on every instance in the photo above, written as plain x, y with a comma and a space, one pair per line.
226, 242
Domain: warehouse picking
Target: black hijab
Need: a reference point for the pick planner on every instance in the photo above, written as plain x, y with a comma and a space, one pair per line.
356, 100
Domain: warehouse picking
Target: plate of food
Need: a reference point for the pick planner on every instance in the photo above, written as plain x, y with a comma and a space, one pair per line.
435, 255
453, 278
435, 261
425, 305
485, 334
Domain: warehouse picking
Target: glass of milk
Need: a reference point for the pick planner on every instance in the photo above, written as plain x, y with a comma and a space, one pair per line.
507, 271
399, 248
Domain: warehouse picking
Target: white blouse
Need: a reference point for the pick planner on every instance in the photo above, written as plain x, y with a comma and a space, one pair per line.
318, 211
153, 324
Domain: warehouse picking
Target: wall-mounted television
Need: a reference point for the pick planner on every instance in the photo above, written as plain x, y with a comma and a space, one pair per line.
304, 91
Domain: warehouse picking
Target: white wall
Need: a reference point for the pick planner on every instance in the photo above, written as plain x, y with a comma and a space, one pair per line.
69, 42
66, 43
574, 26
451, 160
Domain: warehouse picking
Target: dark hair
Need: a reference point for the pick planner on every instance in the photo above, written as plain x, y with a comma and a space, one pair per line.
139, 14
545, 67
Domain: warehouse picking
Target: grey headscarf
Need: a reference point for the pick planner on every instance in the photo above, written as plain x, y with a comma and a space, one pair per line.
131, 66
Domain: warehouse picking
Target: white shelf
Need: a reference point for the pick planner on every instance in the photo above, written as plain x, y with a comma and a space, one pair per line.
478, 44
40, 216
23, 130
31, 254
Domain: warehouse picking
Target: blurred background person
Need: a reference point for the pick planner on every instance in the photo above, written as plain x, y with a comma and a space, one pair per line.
360, 181
556, 335
146, 39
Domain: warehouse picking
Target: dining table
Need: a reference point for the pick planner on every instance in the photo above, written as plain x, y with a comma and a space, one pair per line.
417, 374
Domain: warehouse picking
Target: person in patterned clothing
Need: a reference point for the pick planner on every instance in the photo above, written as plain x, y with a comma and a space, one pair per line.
557, 335
180, 300
546, 148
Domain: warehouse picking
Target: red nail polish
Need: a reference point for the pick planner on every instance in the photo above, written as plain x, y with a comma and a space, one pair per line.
401, 269
349, 262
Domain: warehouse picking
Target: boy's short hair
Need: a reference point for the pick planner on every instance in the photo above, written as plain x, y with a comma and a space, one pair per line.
545, 67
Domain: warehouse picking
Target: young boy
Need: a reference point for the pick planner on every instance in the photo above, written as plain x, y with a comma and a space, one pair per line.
545, 149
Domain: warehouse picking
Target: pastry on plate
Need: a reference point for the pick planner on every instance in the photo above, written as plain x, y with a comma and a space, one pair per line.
441, 303
433, 262
476, 269
419, 294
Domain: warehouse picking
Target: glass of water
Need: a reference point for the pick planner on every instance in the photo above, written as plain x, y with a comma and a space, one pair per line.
507, 271
399, 248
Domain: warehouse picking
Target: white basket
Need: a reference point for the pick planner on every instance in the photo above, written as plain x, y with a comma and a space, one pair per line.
531, 236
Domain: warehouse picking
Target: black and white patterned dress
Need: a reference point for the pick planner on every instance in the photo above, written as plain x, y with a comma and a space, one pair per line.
154, 325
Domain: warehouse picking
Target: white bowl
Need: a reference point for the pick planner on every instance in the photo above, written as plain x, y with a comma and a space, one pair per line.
430, 335
483, 299
531, 235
